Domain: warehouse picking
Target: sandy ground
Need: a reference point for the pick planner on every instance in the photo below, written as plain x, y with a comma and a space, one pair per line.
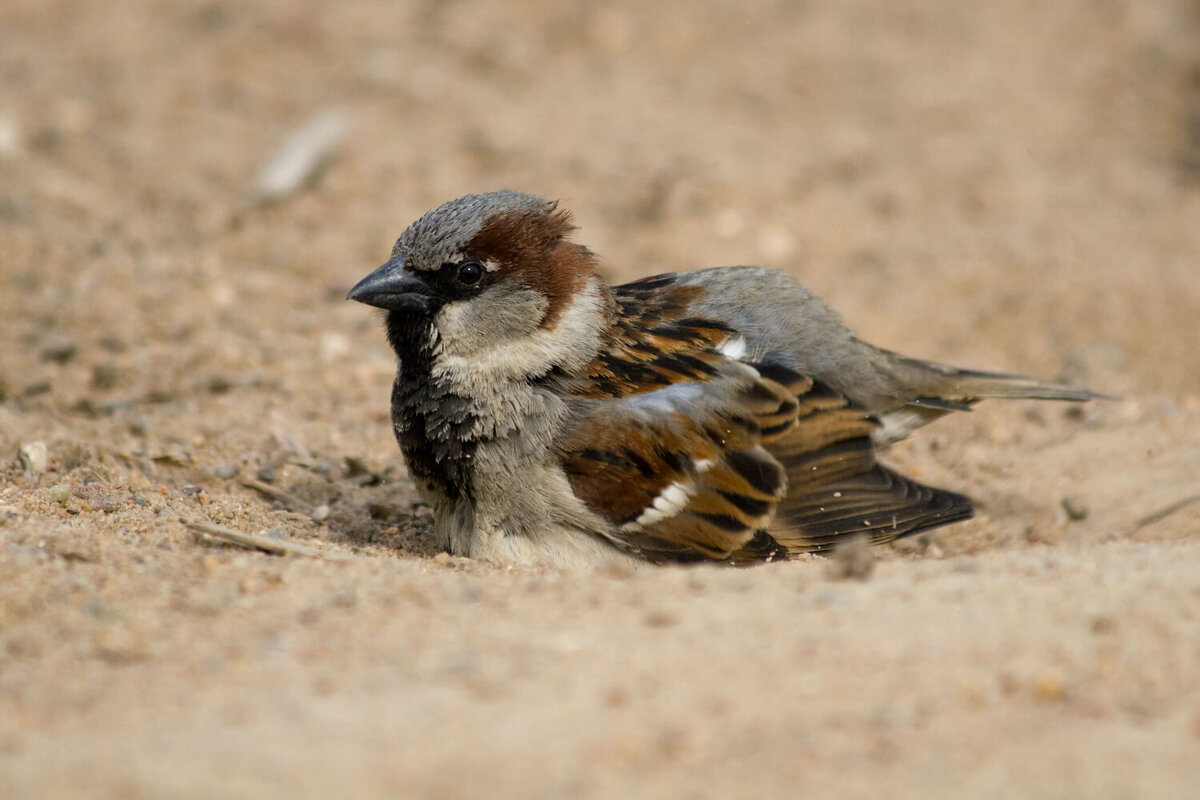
1010, 186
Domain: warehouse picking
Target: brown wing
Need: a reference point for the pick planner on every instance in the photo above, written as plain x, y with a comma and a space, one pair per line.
654, 342
680, 472
693, 456
836, 488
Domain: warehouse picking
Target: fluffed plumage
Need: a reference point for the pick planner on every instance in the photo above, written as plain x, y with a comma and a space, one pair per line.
724, 415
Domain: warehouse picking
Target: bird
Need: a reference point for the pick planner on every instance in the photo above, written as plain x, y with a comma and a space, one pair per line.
724, 415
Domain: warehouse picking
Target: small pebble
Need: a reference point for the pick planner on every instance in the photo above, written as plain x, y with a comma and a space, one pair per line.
853, 558
1049, 686
356, 466
105, 376
58, 493
59, 349
320, 513
660, 619
381, 511
1075, 509
34, 457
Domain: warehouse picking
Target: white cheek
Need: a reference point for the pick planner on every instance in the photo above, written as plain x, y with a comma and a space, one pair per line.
498, 317
485, 349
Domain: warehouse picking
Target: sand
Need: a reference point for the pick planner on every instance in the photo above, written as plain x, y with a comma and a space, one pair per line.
1010, 186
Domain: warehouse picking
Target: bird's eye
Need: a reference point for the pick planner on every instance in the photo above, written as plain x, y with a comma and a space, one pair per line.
469, 273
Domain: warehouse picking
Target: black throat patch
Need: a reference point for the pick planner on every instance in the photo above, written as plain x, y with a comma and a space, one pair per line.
435, 426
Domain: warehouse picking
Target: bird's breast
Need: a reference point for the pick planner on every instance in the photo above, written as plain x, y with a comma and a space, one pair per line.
452, 440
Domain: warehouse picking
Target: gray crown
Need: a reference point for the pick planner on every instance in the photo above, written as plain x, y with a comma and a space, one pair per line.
441, 235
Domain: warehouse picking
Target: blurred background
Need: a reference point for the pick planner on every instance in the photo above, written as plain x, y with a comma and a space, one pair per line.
1011, 185
188, 190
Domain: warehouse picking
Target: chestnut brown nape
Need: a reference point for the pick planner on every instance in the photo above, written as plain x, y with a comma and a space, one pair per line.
531, 246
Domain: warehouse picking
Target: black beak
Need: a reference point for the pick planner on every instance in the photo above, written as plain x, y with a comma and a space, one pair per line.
392, 287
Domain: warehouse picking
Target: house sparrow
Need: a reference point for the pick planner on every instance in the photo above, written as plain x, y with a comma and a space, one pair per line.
724, 415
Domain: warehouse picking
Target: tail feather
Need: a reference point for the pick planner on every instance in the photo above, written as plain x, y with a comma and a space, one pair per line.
934, 390
966, 384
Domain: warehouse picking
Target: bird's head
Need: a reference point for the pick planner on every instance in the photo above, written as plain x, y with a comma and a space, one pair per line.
490, 280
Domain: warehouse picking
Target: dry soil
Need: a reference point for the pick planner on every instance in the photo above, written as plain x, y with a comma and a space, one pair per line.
1003, 185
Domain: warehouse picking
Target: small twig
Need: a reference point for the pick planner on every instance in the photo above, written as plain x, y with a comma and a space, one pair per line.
1164, 512
264, 543
290, 501
298, 160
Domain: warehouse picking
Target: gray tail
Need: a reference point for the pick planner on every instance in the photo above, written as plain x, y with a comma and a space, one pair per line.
939, 385
936, 389
966, 385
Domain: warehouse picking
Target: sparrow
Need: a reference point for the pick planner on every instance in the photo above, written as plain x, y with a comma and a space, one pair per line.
724, 415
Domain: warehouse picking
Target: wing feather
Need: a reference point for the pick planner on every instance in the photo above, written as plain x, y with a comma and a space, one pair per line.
837, 488
692, 455
706, 505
